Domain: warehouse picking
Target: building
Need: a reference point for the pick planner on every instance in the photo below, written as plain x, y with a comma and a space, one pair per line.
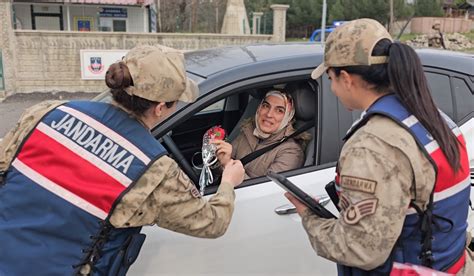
67, 45
85, 15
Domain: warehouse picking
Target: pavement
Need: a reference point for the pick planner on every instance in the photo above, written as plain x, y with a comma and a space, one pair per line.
13, 106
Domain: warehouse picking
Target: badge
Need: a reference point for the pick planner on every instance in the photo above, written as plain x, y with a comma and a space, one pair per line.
358, 184
96, 66
353, 213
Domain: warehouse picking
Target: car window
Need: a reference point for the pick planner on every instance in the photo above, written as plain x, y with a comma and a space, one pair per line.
463, 97
441, 91
230, 112
215, 107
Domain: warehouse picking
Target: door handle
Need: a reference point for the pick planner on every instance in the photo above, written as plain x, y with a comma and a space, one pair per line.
290, 209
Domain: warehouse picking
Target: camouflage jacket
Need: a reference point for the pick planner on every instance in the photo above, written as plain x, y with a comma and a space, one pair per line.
287, 156
378, 166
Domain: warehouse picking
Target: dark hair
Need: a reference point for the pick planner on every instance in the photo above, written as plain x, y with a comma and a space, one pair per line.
117, 79
404, 75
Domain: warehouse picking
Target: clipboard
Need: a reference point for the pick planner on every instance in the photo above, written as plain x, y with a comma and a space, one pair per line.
306, 199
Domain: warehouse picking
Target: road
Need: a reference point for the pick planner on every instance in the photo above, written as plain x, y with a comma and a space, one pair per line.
12, 107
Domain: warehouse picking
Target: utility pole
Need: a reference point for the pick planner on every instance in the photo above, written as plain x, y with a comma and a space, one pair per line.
217, 16
158, 7
323, 23
390, 26
193, 20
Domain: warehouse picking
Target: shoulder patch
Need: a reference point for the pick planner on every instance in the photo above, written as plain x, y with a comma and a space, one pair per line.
355, 212
358, 184
194, 192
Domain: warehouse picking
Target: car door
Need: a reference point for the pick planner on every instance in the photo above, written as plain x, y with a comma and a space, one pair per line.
258, 242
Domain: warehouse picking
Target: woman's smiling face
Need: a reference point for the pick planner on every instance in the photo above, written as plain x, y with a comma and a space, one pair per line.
271, 113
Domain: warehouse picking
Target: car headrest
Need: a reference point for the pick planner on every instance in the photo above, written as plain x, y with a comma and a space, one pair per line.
304, 98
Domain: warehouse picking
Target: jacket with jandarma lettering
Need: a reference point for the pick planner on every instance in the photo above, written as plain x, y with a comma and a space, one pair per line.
66, 198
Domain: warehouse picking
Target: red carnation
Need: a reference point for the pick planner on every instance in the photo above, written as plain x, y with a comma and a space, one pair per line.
216, 133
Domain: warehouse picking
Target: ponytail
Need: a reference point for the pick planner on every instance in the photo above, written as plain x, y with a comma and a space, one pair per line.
407, 79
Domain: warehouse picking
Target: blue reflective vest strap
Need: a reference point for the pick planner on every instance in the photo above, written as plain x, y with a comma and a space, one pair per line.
408, 247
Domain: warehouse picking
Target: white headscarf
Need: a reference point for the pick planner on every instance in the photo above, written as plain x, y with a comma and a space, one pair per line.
289, 113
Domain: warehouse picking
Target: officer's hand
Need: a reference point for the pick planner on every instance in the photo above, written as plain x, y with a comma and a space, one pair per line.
233, 172
224, 151
300, 207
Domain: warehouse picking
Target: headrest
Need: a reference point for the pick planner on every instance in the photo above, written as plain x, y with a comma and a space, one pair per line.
304, 98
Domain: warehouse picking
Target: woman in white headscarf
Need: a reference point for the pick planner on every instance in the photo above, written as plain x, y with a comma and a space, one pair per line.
273, 121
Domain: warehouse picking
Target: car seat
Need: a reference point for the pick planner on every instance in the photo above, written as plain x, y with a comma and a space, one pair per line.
250, 109
305, 101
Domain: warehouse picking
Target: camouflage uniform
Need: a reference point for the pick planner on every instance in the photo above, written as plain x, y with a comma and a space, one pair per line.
164, 195
391, 162
377, 166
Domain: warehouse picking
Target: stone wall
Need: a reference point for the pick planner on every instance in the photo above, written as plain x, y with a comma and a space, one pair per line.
49, 61
423, 25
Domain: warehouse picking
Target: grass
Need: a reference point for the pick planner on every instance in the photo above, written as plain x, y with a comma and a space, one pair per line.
469, 35
405, 37
296, 39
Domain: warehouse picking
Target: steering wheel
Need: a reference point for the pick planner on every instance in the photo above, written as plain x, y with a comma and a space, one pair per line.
179, 158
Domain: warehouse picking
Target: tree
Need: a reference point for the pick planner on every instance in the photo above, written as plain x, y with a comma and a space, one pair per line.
428, 8
375, 9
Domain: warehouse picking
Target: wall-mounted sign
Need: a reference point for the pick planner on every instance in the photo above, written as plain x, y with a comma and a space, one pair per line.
113, 12
83, 23
94, 63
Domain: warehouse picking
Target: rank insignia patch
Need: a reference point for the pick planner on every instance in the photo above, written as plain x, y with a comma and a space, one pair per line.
353, 213
195, 192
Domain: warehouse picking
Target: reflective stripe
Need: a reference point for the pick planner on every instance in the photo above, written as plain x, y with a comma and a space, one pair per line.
458, 187
117, 138
432, 147
58, 190
410, 121
99, 163
65, 168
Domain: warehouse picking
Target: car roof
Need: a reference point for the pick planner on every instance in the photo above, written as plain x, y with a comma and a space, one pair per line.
205, 63
232, 63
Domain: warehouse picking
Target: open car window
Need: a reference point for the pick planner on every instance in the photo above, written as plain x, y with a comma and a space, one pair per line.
229, 113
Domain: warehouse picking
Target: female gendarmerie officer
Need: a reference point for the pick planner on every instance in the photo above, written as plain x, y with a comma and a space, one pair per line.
83, 177
403, 173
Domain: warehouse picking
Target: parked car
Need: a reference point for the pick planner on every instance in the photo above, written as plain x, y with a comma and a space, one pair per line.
266, 237
316, 35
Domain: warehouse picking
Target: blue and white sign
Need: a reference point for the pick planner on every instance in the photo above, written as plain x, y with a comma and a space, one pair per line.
113, 12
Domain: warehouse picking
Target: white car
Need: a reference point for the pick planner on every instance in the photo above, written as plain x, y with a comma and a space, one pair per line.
265, 236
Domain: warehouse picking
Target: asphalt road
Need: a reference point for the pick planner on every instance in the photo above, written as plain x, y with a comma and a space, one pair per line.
12, 107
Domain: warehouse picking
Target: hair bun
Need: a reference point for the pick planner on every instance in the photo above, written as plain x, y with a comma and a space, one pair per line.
118, 76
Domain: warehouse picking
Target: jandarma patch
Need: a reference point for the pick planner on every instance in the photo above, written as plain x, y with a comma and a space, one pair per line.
358, 184
355, 212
